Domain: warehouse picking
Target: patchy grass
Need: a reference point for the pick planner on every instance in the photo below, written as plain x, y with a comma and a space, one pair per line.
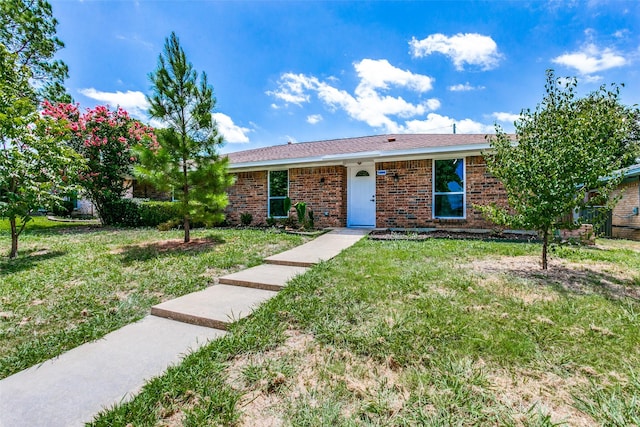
439, 332
71, 285
42, 223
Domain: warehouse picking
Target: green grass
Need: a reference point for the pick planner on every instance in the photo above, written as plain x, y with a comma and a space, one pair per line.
42, 223
409, 333
71, 285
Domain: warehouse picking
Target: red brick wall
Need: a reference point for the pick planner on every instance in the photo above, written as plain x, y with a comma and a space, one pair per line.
324, 190
248, 194
407, 202
622, 218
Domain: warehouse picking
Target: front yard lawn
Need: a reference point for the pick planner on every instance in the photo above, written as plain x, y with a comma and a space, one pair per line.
74, 284
436, 332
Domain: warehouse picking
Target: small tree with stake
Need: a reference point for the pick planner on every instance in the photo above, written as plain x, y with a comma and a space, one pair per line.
187, 161
564, 149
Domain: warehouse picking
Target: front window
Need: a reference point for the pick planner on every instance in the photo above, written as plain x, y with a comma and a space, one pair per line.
448, 189
278, 192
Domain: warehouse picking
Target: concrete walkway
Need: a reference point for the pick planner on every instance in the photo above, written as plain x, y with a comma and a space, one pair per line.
70, 389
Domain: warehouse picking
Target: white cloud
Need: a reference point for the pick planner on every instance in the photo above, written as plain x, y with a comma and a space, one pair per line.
471, 48
505, 117
368, 103
314, 118
292, 88
464, 87
132, 101
378, 74
232, 133
591, 59
135, 103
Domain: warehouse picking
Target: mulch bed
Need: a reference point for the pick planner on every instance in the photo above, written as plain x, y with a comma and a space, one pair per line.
445, 234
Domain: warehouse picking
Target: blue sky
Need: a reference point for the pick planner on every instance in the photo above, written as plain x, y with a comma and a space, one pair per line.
305, 71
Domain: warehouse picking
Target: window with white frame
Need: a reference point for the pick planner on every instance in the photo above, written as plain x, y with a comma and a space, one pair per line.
448, 188
278, 192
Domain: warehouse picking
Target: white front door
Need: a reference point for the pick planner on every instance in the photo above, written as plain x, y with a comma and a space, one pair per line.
361, 208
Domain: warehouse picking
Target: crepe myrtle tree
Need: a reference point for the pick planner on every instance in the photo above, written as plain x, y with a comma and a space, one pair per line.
187, 161
563, 151
104, 138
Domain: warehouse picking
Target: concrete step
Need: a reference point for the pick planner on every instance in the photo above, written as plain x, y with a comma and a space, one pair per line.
266, 276
214, 307
321, 249
70, 389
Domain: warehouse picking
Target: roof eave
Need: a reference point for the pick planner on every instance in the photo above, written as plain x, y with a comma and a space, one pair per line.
369, 155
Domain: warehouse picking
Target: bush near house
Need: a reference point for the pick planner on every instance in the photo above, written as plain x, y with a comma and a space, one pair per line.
152, 214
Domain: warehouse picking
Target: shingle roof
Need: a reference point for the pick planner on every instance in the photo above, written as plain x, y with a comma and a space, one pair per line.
386, 144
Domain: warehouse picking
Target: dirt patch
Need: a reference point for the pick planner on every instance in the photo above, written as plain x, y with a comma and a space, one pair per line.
583, 278
316, 371
546, 391
446, 234
171, 245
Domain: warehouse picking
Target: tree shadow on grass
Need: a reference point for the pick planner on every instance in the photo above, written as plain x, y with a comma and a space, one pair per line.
26, 259
145, 252
585, 281
570, 278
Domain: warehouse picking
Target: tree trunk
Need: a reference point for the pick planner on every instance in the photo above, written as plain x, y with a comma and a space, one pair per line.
187, 231
545, 244
187, 236
14, 239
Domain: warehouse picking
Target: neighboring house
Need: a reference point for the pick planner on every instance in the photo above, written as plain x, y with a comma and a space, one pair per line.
625, 218
384, 181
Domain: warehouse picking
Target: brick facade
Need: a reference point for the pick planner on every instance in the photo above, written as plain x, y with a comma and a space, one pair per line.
324, 190
626, 225
405, 202
248, 194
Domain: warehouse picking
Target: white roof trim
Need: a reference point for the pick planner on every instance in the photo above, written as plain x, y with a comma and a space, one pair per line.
378, 156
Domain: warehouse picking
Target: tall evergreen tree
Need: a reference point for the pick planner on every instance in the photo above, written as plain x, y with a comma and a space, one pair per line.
187, 161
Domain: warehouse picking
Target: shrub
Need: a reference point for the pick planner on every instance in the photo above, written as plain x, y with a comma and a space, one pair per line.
311, 221
301, 210
63, 209
152, 214
271, 221
123, 212
246, 219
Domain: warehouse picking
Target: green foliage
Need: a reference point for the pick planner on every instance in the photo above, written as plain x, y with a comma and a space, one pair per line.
187, 161
28, 31
311, 221
153, 214
287, 205
35, 165
563, 150
301, 211
122, 212
246, 219
271, 221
